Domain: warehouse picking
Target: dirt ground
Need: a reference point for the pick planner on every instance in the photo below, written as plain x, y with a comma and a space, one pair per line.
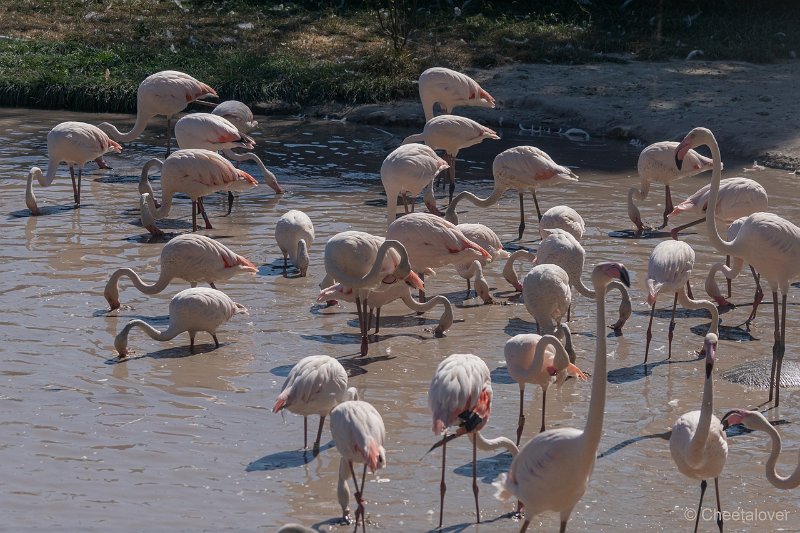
752, 109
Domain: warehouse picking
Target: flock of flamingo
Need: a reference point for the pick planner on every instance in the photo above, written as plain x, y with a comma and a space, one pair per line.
552, 470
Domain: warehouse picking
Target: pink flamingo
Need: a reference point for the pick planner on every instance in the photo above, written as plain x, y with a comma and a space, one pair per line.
194, 172
551, 472
521, 168
294, 233
190, 257
562, 217
769, 243
450, 89
74, 143
487, 239
451, 133
410, 169
164, 93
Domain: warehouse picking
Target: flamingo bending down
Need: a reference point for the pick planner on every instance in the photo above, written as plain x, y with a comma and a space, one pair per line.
769, 243
697, 442
669, 269
238, 114
461, 394
194, 172
192, 310
164, 93
314, 386
755, 420
294, 232
487, 239
521, 168
451, 133
551, 472
74, 143
539, 360
410, 169
364, 262
358, 431
190, 257
547, 296
657, 163
450, 89
562, 217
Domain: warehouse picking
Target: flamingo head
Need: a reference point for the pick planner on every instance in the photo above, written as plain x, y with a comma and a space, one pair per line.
414, 280
112, 297
146, 208
696, 137
121, 345
734, 417
605, 272
710, 349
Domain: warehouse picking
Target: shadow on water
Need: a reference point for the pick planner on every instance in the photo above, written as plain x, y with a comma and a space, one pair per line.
633, 373
350, 367
500, 376
726, 333
177, 352
516, 326
276, 269
488, 468
286, 459
632, 234
44, 211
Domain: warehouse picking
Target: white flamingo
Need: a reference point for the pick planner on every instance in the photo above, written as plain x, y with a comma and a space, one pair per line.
358, 431
769, 243
551, 472
192, 310
74, 143
164, 93
669, 269
697, 441
294, 233
450, 89
521, 168
190, 257
657, 163
755, 420
451, 133
547, 296
238, 114
194, 172
562, 217
314, 386
487, 239
408, 170
461, 394
538, 360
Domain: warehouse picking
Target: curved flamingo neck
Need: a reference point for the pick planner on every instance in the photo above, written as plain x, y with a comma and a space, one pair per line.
46, 179
374, 275
414, 138
497, 193
698, 443
489, 445
112, 291
561, 359
722, 246
688, 303
121, 340
144, 182
141, 123
777, 480
593, 429
301, 259
269, 177
509, 273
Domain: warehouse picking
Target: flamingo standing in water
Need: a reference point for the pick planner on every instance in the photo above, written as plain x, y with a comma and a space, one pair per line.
450, 89
314, 386
562, 217
461, 394
190, 257
487, 239
192, 310
521, 168
164, 93
451, 133
194, 172
697, 441
769, 243
410, 169
657, 163
669, 269
539, 360
551, 472
755, 420
74, 143
547, 296
294, 232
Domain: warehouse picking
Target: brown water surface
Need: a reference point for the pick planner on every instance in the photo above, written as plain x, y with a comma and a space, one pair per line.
173, 441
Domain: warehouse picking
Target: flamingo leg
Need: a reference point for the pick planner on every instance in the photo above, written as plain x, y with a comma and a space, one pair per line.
703, 486
757, 297
719, 505
475, 478
358, 494
649, 333
194, 215
563, 528
536, 203
319, 433
202, 209
191, 342
781, 350
80, 173
305, 432
369, 320
377, 320
451, 160
569, 311
544, 403
74, 184
216, 340
524, 527
469, 288
675, 231
672, 327
405, 201
521, 419
442, 485
362, 322
285, 264
230, 201
169, 135
775, 346
727, 279
668, 207
689, 290
521, 216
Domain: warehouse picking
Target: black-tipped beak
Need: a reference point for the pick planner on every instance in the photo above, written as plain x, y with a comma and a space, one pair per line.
625, 277
442, 442
725, 423
709, 370
678, 162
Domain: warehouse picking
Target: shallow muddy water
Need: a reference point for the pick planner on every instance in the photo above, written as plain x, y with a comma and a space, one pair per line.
173, 441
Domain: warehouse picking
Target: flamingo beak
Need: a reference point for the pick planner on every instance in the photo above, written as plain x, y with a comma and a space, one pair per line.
415, 281
732, 418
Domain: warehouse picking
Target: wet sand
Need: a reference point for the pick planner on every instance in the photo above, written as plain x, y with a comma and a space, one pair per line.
172, 441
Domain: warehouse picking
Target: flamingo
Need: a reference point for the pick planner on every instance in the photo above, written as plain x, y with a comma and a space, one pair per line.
521, 168
314, 386
389, 293
669, 269
238, 114
657, 163
74, 143
551, 472
769, 243
487, 239
697, 442
364, 262
755, 420
547, 296
450, 89
192, 310
213, 132
461, 394
562, 217
190, 257
358, 431
164, 93
294, 232
410, 169
451, 133
194, 172
539, 360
